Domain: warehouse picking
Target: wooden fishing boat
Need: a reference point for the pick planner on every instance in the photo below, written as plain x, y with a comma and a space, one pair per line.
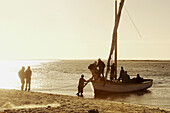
101, 86
114, 87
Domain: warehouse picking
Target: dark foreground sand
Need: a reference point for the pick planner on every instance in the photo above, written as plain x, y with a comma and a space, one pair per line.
15, 101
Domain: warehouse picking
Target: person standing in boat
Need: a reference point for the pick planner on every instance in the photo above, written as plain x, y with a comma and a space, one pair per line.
138, 79
21, 74
81, 85
94, 70
126, 78
28, 74
121, 76
101, 66
112, 72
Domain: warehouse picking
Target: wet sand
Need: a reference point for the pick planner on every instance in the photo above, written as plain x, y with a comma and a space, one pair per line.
15, 101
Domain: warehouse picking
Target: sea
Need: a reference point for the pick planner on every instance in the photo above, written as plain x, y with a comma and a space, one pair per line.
62, 76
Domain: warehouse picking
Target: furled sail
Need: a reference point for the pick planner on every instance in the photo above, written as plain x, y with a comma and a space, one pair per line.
113, 36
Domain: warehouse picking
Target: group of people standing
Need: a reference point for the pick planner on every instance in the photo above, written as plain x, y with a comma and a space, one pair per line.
25, 76
97, 69
126, 78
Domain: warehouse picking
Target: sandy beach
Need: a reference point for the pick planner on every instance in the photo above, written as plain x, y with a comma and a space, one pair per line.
16, 101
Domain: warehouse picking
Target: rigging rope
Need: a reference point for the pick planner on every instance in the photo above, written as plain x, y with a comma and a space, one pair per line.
133, 23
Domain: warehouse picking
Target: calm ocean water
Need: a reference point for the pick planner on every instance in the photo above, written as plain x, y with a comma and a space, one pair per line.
61, 77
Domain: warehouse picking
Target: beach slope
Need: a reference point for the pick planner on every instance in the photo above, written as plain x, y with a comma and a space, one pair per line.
15, 101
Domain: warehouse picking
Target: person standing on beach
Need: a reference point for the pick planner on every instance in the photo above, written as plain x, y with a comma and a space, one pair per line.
28, 74
21, 74
81, 85
101, 66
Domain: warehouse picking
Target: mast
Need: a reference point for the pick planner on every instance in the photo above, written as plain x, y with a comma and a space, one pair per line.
113, 37
115, 40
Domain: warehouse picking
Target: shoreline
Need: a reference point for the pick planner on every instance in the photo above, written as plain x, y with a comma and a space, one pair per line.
12, 101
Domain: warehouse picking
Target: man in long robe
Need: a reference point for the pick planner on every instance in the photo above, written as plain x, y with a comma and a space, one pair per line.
28, 74
101, 66
81, 85
94, 70
21, 74
122, 72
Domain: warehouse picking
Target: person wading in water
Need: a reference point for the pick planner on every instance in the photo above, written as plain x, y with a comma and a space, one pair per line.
81, 85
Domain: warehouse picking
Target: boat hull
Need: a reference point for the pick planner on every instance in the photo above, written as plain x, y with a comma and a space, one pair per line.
113, 87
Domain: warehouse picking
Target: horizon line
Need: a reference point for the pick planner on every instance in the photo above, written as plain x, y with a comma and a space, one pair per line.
87, 59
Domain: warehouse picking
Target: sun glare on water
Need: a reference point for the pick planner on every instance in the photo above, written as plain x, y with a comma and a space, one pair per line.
9, 78
8, 75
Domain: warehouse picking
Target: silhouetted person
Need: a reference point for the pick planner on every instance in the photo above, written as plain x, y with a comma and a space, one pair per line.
28, 74
126, 78
112, 72
138, 79
101, 66
21, 74
94, 70
121, 76
81, 85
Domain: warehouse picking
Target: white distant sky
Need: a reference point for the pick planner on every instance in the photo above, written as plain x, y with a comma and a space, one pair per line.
82, 29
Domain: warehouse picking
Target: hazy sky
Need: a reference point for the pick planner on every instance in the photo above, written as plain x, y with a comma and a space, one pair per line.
82, 29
